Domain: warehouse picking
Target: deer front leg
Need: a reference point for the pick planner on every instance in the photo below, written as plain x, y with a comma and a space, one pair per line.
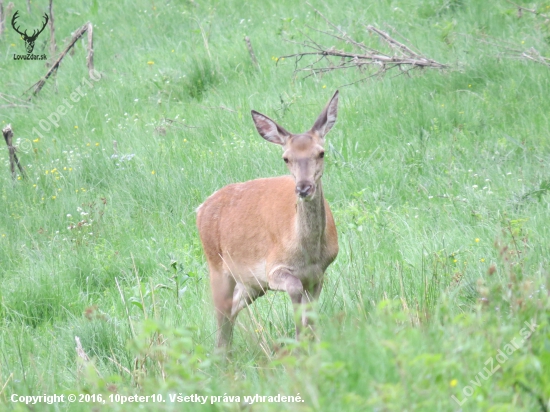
282, 279
308, 298
223, 286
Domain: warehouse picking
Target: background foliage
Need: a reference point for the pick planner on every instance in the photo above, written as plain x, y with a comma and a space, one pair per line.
438, 182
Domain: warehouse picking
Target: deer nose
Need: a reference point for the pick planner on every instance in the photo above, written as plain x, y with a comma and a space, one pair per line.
304, 189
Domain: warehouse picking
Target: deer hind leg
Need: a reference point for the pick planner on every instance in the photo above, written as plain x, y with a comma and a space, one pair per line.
282, 279
242, 297
223, 286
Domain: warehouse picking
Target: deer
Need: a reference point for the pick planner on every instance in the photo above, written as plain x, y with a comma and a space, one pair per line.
29, 40
275, 233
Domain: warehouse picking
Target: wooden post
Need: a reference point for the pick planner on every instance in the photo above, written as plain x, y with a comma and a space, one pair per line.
8, 137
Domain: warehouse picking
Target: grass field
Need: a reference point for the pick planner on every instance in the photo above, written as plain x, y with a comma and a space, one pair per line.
439, 183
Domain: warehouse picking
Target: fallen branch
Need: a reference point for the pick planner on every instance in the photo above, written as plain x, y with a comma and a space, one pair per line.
89, 58
8, 137
510, 50
12, 101
521, 9
328, 59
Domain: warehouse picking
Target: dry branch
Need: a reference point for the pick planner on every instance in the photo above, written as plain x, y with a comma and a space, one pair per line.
506, 49
4, 13
83, 360
12, 101
251, 51
521, 9
89, 58
180, 123
80, 351
218, 107
1, 17
8, 137
53, 46
362, 57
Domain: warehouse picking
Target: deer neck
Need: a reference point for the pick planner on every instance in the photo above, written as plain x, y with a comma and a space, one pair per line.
311, 218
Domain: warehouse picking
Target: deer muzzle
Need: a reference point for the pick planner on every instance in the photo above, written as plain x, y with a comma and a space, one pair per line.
305, 189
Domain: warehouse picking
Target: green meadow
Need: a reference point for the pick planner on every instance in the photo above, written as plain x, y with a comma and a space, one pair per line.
439, 182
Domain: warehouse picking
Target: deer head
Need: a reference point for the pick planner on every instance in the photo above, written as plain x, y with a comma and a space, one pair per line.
29, 40
303, 153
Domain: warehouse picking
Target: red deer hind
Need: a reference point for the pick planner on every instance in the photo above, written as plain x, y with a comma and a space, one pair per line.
271, 234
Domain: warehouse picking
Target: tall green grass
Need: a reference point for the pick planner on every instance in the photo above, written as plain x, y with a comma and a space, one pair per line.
438, 182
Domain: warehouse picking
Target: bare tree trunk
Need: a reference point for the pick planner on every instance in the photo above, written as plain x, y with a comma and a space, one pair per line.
1, 17
53, 45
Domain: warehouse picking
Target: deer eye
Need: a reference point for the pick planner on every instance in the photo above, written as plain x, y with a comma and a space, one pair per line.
321, 155
285, 159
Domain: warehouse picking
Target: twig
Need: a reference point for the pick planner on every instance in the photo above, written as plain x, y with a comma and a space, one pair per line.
251, 51
84, 357
509, 50
360, 45
12, 101
7, 106
138, 284
53, 45
80, 351
204, 39
219, 107
394, 30
8, 137
180, 123
6, 384
534, 11
118, 365
362, 57
126, 308
89, 59
392, 41
1, 17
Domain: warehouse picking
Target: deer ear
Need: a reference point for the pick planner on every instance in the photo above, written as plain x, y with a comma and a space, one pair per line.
269, 130
327, 118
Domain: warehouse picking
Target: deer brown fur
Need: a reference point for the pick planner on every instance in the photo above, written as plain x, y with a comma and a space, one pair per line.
271, 234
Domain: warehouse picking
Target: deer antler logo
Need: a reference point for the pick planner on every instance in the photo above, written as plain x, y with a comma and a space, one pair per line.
29, 40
